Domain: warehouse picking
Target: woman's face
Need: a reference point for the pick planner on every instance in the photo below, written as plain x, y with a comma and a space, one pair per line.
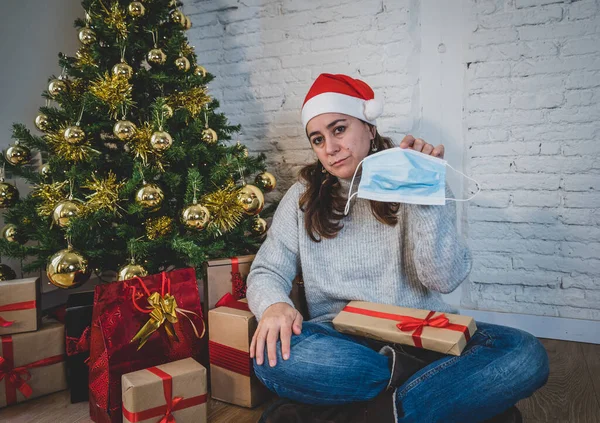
340, 142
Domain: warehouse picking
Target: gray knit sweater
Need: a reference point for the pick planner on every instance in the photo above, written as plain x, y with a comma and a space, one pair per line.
407, 265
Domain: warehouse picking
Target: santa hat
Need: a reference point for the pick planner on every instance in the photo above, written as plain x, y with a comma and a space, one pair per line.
341, 94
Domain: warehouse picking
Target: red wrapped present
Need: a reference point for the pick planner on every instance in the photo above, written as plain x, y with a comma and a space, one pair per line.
32, 364
141, 323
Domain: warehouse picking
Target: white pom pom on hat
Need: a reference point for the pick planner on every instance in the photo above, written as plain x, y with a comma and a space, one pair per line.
338, 93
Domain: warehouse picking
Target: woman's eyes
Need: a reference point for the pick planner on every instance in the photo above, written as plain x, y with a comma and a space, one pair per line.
337, 130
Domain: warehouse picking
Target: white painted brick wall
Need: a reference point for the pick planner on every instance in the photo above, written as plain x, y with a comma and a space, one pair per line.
532, 115
531, 118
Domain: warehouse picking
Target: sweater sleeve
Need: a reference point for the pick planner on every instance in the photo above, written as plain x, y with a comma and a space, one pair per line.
440, 257
277, 261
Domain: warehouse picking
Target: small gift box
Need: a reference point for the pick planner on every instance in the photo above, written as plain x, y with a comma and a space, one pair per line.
167, 393
443, 332
232, 378
78, 319
19, 306
32, 364
224, 276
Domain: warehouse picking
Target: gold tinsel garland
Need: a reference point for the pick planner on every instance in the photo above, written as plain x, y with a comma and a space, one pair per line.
141, 147
187, 50
84, 58
105, 195
51, 195
115, 18
158, 227
114, 91
68, 151
193, 100
224, 207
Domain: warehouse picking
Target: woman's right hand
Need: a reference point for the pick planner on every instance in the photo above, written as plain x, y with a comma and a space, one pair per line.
278, 321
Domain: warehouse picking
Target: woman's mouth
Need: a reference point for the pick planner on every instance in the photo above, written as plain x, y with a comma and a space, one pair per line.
339, 162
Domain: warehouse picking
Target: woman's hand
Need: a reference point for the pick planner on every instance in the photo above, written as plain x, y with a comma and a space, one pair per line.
278, 321
421, 146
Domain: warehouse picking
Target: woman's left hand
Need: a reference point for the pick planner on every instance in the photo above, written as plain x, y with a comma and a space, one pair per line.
421, 146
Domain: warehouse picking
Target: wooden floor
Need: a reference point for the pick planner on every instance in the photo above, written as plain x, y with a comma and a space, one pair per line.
572, 395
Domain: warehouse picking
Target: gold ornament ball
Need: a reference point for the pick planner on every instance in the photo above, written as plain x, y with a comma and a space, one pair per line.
87, 36
136, 9
42, 122
188, 23
74, 135
177, 16
167, 111
161, 141
259, 226
150, 197
56, 87
209, 136
11, 233
46, 171
124, 130
182, 63
200, 71
17, 155
266, 181
195, 216
156, 56
6, 273
68, 269
122, 69
130, 271
8, 195
65, 211
251, 199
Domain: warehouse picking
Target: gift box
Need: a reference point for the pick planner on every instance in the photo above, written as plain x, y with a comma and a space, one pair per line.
141, 323
232, 378
19, 306
229, 275
224, 276
167, 393
78, 320
443, 332
32, 364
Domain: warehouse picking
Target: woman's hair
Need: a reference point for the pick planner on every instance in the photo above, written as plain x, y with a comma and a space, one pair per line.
323, 205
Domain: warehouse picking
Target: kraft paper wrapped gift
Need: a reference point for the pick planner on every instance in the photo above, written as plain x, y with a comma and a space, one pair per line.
232, 377
224, 276
443, 332
32, 364
19, 306
170, 392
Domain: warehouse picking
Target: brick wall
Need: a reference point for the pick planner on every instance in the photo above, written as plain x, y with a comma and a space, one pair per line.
531, 120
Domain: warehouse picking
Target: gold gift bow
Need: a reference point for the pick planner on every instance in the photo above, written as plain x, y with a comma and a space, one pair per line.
163, 310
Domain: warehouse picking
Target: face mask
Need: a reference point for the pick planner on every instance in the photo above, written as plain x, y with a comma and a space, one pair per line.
399, 175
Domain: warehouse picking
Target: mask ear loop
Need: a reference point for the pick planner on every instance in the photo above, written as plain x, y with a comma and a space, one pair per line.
347, 208
476, 183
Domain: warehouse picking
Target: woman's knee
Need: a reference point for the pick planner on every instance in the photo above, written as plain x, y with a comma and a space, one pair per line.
529, 362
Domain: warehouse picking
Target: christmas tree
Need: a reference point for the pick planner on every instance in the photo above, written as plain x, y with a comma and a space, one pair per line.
138, 174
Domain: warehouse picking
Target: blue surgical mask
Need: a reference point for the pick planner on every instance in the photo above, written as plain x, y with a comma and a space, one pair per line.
402, 175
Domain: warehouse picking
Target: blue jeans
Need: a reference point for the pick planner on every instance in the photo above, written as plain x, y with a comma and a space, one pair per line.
498, 367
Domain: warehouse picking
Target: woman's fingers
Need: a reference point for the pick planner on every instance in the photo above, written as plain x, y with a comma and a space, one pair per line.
427, 149
407, 141
260, 346
253, 342
272, 346
419, 144
285, 336
438, 151
297, 324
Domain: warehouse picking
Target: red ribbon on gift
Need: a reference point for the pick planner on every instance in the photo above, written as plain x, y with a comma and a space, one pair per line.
238, 285
409, 323
229, 300
17, 377
172, 403
25, 305
79, 345
229, 358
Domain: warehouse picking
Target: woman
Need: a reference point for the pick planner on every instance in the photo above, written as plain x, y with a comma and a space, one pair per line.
392, 253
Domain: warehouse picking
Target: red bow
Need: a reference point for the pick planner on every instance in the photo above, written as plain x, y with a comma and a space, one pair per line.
409, 323
26, 305
238, 285
17, 377
229, 300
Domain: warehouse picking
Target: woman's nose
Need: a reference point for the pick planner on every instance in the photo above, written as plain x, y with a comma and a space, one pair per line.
331, 145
